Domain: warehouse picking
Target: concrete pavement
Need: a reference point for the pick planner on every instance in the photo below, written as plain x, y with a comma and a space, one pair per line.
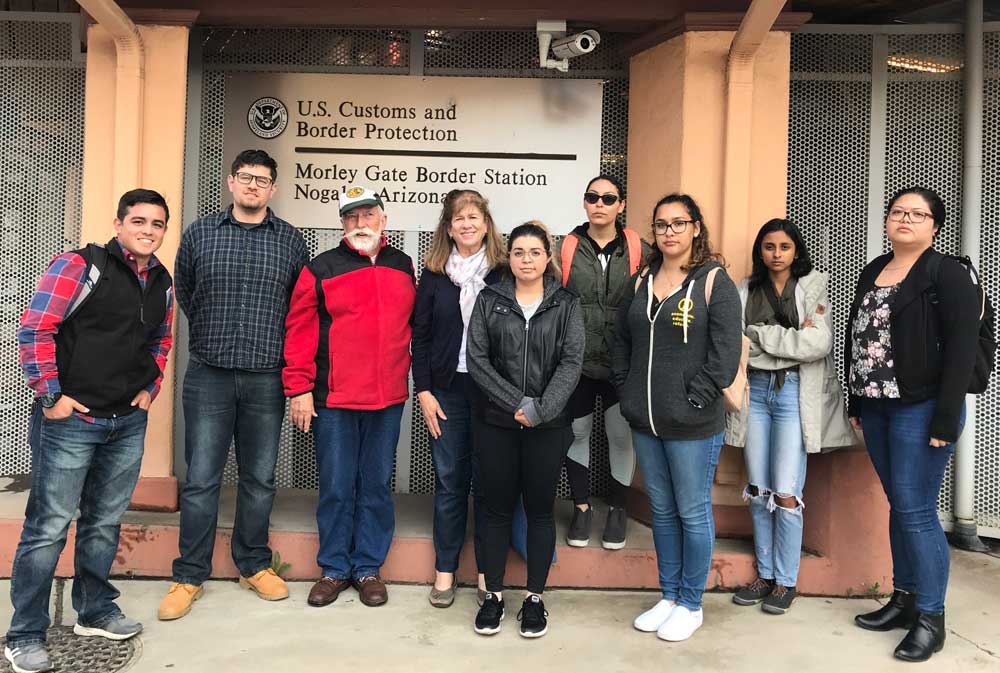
230, 629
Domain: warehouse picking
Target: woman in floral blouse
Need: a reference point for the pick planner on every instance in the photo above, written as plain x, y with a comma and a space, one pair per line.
909, 356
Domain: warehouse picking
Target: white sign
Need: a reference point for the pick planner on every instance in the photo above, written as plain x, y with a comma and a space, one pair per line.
527, 145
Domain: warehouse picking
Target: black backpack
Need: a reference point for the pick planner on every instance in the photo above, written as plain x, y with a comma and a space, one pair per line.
96, 256
987, 346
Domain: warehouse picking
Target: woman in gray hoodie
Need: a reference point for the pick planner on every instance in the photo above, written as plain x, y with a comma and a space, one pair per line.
677, 346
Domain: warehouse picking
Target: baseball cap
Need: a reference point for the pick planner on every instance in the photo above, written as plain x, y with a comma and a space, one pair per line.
354, 197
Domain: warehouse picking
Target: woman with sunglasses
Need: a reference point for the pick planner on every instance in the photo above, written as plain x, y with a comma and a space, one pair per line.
677, 345
909, 355
598, 258
796, 405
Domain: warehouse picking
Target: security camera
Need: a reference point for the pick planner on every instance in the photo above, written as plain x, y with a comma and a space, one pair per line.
576, 45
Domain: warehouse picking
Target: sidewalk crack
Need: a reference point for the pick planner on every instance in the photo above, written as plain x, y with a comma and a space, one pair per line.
979, 647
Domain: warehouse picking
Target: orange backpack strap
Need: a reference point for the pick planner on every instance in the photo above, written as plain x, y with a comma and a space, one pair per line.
634, 250
569, 243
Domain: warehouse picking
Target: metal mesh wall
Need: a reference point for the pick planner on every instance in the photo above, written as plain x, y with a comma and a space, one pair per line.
468, 53
830, 162
828, 158
987, 500
41, 131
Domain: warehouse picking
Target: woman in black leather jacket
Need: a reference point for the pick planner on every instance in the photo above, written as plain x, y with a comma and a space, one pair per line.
525, 352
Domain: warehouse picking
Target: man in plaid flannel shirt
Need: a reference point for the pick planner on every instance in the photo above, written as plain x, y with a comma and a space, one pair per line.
234, 275
93, 344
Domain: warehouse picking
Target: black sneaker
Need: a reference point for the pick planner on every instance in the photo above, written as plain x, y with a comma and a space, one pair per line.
780, 600
533, 618
615, 528
754, 592
490, 615
579, 529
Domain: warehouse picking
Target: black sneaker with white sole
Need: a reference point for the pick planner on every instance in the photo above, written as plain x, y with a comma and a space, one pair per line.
780, 600
579, 528
615, 529
533, 618
490, 615
754, 593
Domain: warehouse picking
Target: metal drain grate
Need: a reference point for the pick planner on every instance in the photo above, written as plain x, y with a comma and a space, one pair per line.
70, 652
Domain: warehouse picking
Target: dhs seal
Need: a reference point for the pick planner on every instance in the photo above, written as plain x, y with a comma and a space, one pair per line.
267, 117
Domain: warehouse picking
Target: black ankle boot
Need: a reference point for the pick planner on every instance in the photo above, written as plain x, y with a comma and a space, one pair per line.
899, 613
924, 639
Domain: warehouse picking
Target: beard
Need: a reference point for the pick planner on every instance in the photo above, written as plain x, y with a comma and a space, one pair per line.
368, 245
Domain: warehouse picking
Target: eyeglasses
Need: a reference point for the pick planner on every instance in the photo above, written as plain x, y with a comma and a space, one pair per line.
677, 226
916, 216
247, 178
594, 197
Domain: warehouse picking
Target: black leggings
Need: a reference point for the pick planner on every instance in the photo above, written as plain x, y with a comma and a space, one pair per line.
525, 463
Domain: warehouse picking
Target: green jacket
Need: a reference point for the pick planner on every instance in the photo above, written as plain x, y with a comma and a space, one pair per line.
600, 294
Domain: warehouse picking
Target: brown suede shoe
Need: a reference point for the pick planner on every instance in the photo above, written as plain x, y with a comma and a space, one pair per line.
372, 590
326, 591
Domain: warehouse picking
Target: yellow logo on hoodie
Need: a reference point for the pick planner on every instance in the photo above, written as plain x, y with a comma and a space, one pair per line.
683, 313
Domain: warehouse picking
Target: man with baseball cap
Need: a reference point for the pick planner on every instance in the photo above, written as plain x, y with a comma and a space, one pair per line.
347, 339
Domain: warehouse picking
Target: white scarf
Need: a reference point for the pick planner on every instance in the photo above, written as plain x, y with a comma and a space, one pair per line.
468, 274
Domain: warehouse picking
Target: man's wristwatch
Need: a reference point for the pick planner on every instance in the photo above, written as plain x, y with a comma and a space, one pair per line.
48, 400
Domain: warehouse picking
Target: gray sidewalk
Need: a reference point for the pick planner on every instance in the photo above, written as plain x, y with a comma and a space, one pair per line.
230, 629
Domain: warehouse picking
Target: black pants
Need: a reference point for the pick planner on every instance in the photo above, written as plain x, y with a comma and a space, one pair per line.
581, 405
520, 462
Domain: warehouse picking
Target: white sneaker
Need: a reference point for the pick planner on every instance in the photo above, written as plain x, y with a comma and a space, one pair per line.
652, 619
681, 624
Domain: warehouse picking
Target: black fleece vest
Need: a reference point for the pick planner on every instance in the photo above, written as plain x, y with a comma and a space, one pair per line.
102, 350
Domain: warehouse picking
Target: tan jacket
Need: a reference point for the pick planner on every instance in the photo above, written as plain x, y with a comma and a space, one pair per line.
821, 399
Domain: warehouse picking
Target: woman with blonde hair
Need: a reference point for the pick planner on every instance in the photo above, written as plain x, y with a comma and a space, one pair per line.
466, 254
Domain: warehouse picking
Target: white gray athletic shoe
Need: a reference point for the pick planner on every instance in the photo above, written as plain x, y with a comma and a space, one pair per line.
119, 628
33, 658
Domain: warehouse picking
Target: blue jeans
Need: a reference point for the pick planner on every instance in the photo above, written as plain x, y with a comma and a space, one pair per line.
775, 457
678, 476
355, 451
455, 468
911, 471
74, 463
220, 406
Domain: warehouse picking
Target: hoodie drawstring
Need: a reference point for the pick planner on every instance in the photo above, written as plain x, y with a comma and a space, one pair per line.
687, 309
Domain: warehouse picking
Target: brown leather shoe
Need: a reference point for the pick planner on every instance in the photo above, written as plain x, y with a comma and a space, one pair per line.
372, 590
326, 591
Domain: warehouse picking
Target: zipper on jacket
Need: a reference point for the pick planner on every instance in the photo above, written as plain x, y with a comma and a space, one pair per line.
524, 366
649, 362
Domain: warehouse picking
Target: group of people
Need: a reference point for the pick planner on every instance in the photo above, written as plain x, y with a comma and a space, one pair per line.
511, 344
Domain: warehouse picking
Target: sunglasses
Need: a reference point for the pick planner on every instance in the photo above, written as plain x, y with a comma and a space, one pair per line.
594, 197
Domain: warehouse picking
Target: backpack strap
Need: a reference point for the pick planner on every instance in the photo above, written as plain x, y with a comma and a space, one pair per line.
634, 244
96, 256
568, 249
709, 283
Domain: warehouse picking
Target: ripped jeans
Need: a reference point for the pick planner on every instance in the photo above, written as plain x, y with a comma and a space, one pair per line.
776, 466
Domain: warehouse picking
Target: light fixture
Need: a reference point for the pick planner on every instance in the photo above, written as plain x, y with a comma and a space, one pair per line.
923, 63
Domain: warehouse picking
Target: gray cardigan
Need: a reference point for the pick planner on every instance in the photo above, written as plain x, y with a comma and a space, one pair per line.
821, 400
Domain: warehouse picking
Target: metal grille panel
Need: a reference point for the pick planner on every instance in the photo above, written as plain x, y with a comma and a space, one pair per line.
987, 499
470, 53
40, 190
827, 171
38, 40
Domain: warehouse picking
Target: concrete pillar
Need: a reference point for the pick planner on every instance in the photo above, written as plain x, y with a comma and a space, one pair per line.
161, 169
